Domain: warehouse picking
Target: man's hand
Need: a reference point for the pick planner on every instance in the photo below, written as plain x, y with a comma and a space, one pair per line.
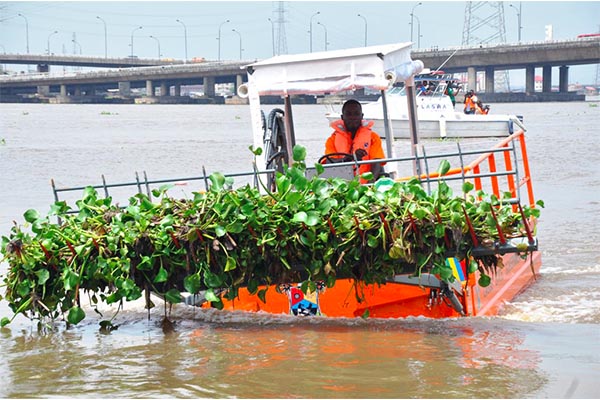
360, 154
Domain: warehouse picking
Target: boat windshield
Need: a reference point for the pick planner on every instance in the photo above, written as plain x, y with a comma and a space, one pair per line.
422, 88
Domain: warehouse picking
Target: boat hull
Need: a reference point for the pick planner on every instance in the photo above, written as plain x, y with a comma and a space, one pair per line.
349, 298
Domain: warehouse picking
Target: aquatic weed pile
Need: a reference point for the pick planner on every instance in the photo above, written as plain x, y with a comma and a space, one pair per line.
308, 230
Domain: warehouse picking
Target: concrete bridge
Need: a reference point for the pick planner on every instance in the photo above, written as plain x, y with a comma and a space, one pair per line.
82, 87
487, 58
526, 56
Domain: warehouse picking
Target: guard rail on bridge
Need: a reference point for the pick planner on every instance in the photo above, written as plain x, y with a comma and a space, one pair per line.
83, 61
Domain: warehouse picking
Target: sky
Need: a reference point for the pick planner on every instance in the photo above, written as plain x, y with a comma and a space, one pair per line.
79, 26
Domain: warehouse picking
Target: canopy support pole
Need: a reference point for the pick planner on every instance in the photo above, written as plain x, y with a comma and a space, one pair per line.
389, 139
413, 124
290, 135
389, 133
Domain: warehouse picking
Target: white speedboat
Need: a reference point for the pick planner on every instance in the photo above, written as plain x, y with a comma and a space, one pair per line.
437, 117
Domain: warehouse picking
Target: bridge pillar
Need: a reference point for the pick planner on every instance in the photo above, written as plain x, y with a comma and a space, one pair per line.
164, 89
77, 91
472, 78
125, 89
43, 90
63, 90
177, 90
209, 86
563, 79
489, 79
239, 80
530, 79
149, 89
547, 78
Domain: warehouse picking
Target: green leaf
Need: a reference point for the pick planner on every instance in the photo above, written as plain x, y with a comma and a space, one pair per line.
145, 264
211, 297
218, 180
162, 275
192, 283
257, 152
467, 187
443, 168
146, 204
235, 227
173, 296
220, 231
262, 295
5, 321
439, 230
300, 216
484, 280
320, 168
367, 176
59, 208
312, 218
43, 275
445, 273
167, 221
299, 153
23, 288
212, 280
372, 241
293, 197
31, 215
230, 265
252, 286
162, 190
76, 315
472, 266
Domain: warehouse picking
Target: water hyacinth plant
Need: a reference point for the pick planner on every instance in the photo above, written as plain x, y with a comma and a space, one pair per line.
307, 230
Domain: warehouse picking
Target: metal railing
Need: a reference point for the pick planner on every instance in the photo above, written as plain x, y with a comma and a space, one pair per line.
500, 169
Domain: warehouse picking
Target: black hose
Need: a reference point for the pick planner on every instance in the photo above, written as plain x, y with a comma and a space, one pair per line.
274, 144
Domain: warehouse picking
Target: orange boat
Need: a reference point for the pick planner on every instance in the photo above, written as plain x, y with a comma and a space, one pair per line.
426, 295
500, 169
404, 295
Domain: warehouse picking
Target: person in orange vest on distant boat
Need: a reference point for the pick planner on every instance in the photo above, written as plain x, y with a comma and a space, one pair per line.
481, 109
353, 136
470, 100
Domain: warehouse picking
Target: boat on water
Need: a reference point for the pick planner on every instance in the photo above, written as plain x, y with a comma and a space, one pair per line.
411, 293
413, 289
437, 117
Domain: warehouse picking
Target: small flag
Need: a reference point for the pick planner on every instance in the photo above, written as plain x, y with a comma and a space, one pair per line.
457, 268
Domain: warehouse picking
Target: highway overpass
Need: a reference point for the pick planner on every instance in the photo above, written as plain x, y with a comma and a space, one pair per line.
487, 58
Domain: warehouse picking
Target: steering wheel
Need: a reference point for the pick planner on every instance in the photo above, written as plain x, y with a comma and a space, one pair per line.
330, 157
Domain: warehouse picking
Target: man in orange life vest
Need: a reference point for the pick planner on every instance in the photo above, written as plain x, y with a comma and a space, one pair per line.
354, 137
470, 101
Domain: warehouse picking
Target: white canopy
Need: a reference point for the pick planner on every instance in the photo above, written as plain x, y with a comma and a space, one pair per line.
372, 67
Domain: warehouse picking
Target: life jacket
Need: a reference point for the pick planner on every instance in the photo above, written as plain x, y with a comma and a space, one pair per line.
469, 104
344, 143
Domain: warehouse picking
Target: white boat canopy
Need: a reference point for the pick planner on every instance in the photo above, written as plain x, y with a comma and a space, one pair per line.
327, 72
374, 67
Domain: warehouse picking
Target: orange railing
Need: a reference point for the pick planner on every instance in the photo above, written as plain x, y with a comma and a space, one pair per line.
486, 172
